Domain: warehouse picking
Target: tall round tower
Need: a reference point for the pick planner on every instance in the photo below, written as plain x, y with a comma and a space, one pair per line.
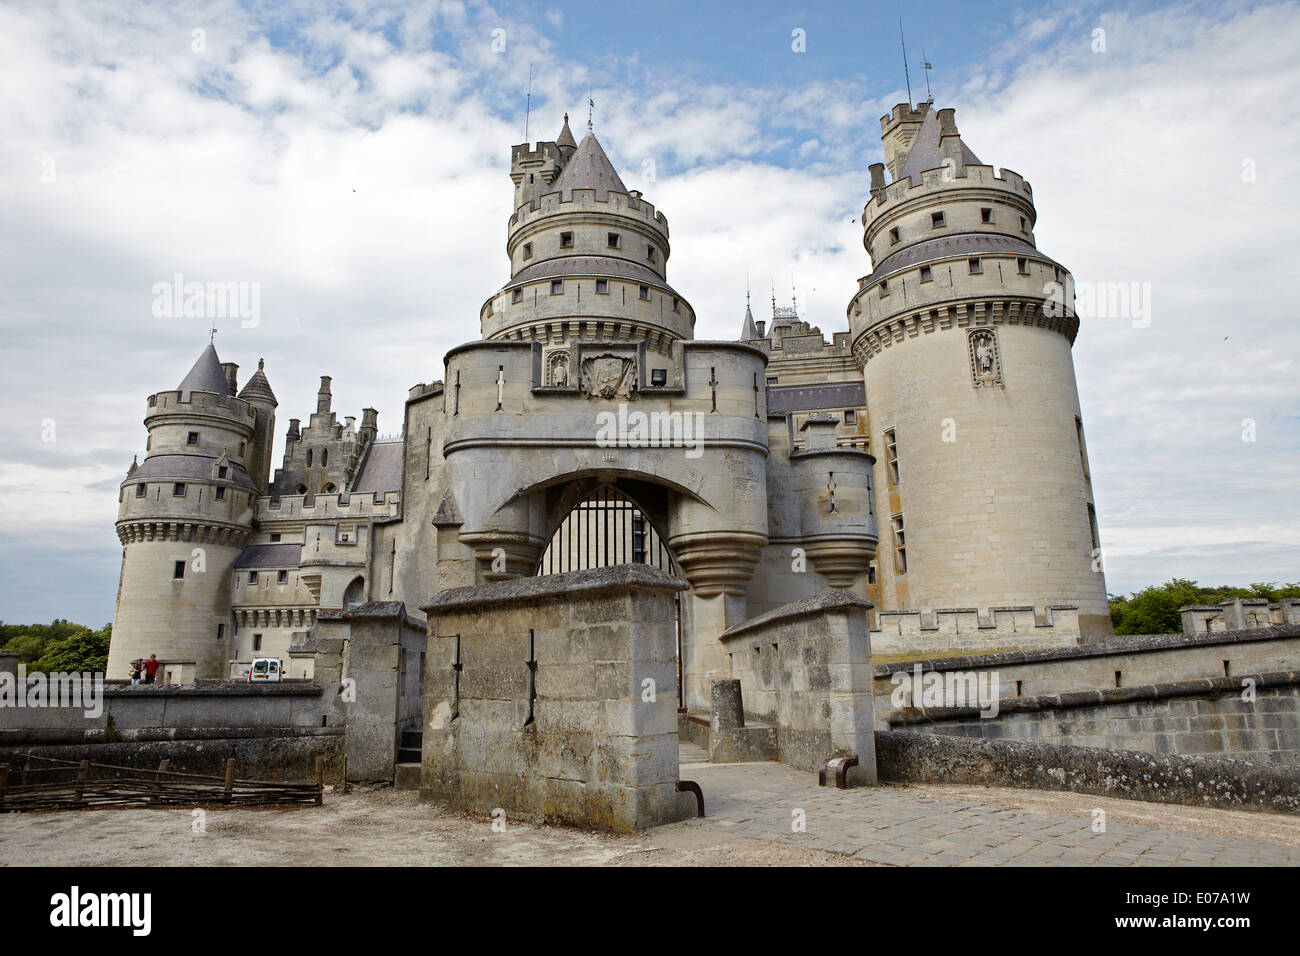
588, 256
983, 490
184, 514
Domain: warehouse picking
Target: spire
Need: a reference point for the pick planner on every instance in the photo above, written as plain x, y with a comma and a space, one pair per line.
566, 135
258, 389
589, 168
749, 330
207, 375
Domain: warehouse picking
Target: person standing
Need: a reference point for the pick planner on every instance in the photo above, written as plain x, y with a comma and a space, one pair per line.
151, 669
136, 667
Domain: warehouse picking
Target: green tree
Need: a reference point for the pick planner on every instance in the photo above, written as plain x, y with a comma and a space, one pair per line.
1154, 610
85, 650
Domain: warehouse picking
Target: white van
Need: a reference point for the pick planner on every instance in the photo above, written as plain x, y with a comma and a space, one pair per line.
265, 669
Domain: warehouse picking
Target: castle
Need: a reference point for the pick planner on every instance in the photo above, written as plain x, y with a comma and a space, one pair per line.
930, 458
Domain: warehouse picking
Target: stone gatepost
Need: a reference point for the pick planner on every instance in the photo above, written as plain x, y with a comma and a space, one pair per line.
554, 698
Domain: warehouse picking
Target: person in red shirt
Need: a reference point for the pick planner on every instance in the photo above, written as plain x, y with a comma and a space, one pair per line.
151, 668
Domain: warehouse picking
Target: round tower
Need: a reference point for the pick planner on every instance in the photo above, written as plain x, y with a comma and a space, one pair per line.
983, 490
184, 514
588, 256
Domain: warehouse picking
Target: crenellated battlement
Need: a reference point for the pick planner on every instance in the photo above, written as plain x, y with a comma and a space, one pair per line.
968, 629
627, 205
943, 178
174, 402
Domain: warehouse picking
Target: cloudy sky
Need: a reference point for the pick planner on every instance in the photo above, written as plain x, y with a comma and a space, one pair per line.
352, 160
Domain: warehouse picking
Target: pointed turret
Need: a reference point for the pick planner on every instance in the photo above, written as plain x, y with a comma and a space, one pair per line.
258, 388
565, 142
937, 141
748, 331
207, 375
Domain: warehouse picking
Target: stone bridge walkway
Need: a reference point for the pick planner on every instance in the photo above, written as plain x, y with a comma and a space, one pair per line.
941, 826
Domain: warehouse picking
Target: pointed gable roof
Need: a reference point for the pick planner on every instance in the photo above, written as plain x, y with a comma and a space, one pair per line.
925, 153
207, 375
258, 388
589, 168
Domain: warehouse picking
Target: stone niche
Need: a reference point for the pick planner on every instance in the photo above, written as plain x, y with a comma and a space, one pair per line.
555, 699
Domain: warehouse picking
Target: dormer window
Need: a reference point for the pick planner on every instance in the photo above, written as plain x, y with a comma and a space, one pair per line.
986, 215
557, 286
566, 240
612, 240
936, 220
528, 250
221, 471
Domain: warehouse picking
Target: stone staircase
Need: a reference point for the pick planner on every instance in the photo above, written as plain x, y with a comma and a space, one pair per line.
406, 774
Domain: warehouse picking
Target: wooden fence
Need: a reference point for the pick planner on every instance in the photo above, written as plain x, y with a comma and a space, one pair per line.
85, 785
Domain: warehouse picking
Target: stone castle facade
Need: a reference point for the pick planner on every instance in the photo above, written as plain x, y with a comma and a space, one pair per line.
930, 458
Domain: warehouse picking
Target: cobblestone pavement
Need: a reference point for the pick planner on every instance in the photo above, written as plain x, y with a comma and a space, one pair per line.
903, 827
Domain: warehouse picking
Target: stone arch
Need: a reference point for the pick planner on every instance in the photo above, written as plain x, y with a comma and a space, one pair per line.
602, 525
355, 593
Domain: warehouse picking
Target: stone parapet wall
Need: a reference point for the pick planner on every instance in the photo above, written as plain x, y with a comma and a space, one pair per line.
554, 698
806, 668
970, 629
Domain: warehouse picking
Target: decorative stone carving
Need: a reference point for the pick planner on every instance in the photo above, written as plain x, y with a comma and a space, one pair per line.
608, 376
557, 369
985, 358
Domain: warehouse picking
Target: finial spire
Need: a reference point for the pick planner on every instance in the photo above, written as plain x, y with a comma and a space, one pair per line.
929, 97
212, 334
906, 78
591, 108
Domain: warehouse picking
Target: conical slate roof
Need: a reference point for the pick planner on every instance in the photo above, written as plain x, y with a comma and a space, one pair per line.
258, 388
207, 375
749, 330
589, 168
925, 154
566, 135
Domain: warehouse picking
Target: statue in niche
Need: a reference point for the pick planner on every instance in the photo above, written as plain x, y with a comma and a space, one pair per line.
985, 362
558, 369
608, 376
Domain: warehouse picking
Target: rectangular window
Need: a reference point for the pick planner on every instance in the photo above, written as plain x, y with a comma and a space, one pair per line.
650, 253
282, 577
241, 449
566, 240
178, 570
221, 471
557, 286
676, 306
1022, 266
257, 642
602, 286
900, 545
221, 631
884, 288
772, 379
893, 235
850, 417
275, 537
645, 292
252, 577
140, 490
871, 573
925, 274
1083, 454
220, 494
986, 215
612, 240
528, 250
517, 295
659, 376
975, 267
178, 489
192, 438
891, 456
936, 219
1092, 527
1024, 226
